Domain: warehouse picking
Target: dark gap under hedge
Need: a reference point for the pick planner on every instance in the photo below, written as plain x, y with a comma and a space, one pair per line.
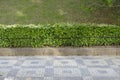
58, 35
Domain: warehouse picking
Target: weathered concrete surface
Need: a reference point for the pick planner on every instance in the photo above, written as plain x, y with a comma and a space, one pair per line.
64, 51
21, 51
118, 51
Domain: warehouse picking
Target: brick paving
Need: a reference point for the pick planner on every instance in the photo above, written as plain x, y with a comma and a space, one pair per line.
60, 68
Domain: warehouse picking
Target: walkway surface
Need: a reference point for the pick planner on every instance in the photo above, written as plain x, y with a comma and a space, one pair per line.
60, 68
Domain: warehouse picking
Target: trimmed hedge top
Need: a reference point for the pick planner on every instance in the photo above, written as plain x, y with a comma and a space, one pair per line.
58, 35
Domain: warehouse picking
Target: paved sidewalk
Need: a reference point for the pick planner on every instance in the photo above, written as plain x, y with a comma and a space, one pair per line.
60, 68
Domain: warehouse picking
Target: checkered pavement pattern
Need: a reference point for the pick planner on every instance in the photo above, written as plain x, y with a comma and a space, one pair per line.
60, 68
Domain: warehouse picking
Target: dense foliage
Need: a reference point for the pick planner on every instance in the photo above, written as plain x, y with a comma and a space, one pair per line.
58, 35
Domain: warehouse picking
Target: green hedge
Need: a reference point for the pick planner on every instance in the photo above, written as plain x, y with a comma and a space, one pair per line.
57, 35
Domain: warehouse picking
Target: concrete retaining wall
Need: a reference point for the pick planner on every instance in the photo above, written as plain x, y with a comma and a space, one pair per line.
65, 51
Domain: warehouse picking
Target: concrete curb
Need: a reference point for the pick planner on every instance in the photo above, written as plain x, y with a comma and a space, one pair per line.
65, 51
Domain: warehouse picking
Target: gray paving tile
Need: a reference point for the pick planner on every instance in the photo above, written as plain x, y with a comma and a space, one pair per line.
60, 68
2, 78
